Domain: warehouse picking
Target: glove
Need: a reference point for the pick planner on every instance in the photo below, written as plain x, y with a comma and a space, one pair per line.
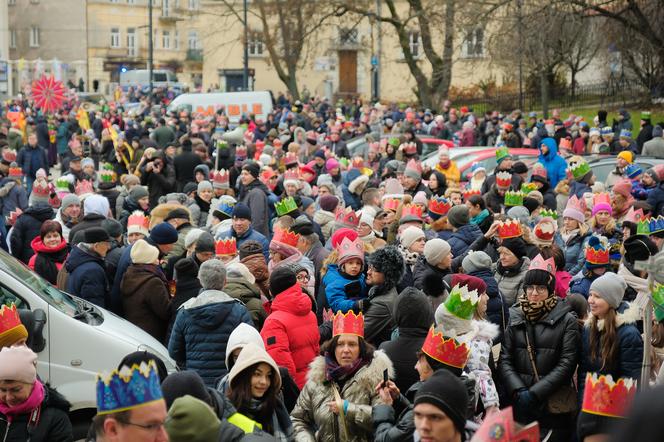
365, 304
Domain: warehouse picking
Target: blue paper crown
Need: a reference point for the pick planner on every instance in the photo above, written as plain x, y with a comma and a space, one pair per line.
626, 133
226, 208
606, 130
633, 170
128, 388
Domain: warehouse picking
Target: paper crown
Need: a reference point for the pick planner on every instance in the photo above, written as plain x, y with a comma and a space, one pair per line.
470, 192
576, 204
526, 188
267, 173
579, 169
650, 226
241, 152
13, 216
503, 179
10, 321
16, 172
411, 210
62, 184
138, 223
128, 388
83, 187
348, 249
285, 206
348, 218
502, 153
545, 229
40, 188
226, 247
634, 216
501, 427
461, 302
414, 165
221, 177
8, 155
348, 324
226, 207
446, 351
509, 229
514, 198
605, 397
601, 198
539, 263
357, 163
546, 213
107, 176
394, 141
658, 301
285, 236
597, 251
409, 148
291, 174
391, 204
439, 206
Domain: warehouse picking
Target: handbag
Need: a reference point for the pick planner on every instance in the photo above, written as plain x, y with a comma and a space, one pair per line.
563, 400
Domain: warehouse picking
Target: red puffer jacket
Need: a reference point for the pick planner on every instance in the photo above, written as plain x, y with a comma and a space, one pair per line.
290, 333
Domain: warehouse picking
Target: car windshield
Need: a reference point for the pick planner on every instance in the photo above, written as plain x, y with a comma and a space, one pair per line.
159, 76
60, 300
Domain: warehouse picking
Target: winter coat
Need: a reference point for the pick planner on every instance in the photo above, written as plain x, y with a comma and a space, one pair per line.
428, 278
291, 334
184, 165
53, 425
656, 200
654, 147
26, 228
39, 247
511, 283
250, 235
630, 348
255, 196
574, 250
339, 148
250, 295
88, 221
87, 275
379, 317
497, 311
201, 330
581, 283
258, 267
312, 419
480, 341
12, 196
338, 291
554, 164
461, 239
159, 184
352, 200
31, 159
557, 340
578, 188
325, 220
146, 299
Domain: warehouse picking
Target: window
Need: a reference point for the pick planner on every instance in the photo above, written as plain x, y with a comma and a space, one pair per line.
34, 2
115, 37
473, 45
131, 42
131, 2
176, 40
193, 5
34, 37
348, 36
255, 44
165, 8
414, 43
11, 2
115, 1
166, 40
12, 38
192, 40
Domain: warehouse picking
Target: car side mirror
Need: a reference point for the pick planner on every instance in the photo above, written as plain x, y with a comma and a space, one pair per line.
34, 322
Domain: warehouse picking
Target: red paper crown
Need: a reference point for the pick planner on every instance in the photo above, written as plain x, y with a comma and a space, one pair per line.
411, 210
409, 148
139, 220
539, 263
348, 217
221, 177
348, 324
9, 155
509, 229
291, 174
226, 247
267, 173
16, 172
470, 192
447, 351
503, 179
13, 216
439, 206
285, 236
40, 188
83, 187
391, 204
501, 427
241, 151
248, 136
9, 319
357, 163
597, 256
605, 397
545, 229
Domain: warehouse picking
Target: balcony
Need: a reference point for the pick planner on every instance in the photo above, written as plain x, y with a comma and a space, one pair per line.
195, 55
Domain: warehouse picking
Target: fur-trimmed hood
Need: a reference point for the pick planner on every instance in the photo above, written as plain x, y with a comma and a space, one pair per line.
628, 313
484, 330
368, 376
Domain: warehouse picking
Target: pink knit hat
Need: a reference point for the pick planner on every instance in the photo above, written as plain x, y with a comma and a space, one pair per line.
624, 188
331, 163
18, 364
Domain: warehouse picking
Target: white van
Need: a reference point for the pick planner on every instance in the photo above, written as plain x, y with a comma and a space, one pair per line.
236, 103
141, 78
74, 339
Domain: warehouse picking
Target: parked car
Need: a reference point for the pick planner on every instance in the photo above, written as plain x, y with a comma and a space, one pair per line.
360, 145
73, 338
601, 165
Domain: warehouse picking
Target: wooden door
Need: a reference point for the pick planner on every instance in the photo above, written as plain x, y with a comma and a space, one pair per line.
347, 72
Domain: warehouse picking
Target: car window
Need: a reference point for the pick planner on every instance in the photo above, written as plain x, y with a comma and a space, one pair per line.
7, 297
601, 171
428, 148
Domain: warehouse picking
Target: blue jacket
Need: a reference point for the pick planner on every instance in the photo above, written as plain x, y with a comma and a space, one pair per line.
656, 200
12, 196
630, 349
87, 276
574, 251
351, 199
31, 160
461, 240
201, 331
554, 164
335, 289
496, 310
578, 188
581, 284
249, 235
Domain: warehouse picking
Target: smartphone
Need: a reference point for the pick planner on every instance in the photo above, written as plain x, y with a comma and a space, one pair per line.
385, 378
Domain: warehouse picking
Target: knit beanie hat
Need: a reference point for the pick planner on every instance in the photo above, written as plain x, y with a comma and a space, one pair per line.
515, 245
138, 192
410, 235
652, 173
18, 364
435, 250
143, 253
458, 215
520, 214
250, 247
420, 198
639, 248
622, 187
204, 185
476, 261
182, 383
412, 173
328, 203
253, 168
205, 243
239, 270
610, 287
241, 211
96, 204
531, 204
192, 420
192, 237
281, 279
70, 199
10, 331
164, 233
189, 187
331, 163
627, 156
112, 227
446, 392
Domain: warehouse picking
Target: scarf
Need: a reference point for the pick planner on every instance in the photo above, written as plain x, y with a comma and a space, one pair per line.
202, 204
409, 257
536, 310
369, 239
566, 236
511, 270
32, 402
341, 373
477, 219
46, 262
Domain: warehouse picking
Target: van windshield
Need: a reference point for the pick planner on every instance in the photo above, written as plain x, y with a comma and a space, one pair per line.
60, 300
159, 76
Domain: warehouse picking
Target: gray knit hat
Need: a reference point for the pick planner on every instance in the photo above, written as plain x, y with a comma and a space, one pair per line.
610, 287
475, 261
435, 250
458, 216
204, 185
70, 200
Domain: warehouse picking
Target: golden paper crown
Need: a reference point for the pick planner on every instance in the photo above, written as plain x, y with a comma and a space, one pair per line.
348, 324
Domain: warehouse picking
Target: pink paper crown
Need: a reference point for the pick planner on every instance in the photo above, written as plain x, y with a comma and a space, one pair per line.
40, 188
414, 165
221, 177
350, 249
83, 187
539, 263
348, 217
634, 216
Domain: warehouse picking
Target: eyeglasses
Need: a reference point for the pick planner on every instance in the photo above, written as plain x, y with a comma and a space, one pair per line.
303, 278
152, 428
540, 289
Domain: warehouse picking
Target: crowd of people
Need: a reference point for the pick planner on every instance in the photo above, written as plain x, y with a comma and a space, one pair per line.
309, 294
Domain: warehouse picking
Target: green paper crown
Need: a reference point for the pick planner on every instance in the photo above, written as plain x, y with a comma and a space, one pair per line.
62, 183
526, 188
344, 161
514, 198
549, 213
106, 177
285, 206
108, 166
645, 115
580, 169
394, 142
461, 302
650, 225
502, 153
658, 301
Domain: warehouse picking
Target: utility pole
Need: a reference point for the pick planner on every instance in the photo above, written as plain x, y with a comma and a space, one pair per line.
379, 23
150, 47
519, 4
245, 71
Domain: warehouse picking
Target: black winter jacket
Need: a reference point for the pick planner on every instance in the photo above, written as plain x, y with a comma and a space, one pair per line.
461, 239
26, 229
184, 165
428, 278
90, 220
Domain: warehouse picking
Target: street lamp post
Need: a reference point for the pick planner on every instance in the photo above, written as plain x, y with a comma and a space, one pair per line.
245, 71
519, 4
150, 47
